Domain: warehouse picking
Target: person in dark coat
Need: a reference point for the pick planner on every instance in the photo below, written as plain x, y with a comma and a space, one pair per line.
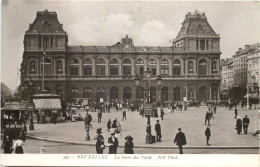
7, 145
245, 124
208, 134
158, 131
236, 112
155, 113
180, 140
239, 125
215, 108
113, 141
162, 113
100, 141
55, 115
99, 116
207, 117
108, 125
124, 115
129, 145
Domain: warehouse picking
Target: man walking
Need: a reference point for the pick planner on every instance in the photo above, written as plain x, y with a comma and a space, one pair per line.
215, 108
207, 117
208, 134
180, 140
99, 116
124, 115
236, 112
245, 124
158, 131
162, 113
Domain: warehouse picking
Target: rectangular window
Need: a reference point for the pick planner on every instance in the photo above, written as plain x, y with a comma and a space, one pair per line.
74, 70
126, 70
88, 70
101, 70
164, 70
113, 70
140, 70
153, 69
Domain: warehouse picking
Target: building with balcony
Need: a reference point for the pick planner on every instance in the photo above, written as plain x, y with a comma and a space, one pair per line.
189, 68
227, 77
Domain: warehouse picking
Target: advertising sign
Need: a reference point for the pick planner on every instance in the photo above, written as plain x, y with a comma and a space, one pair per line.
148, 109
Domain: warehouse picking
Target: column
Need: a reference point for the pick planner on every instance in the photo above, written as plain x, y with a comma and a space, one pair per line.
186, 66
120, 69
54, 66
195, 67
195, 92
49, 42
210, 93
94, 65
186, 91
170, 66
120, 95
209, 67
183, 66
54, 42
133, 66
80, 66
63, 66
146, 62
210, 44
158, 67
198, 44
107, 66
42, 43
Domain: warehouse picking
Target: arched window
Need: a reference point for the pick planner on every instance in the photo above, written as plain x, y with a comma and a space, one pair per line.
32, 66
87, 93
59, 66
164, 94
152, 66
164, 67
74, 67
101, 67
113, 67
127, 94
101, 95
126, 67
214, 66
74, 93
47, 66
176, 67
87, 66
139, 67
191, 66
202, 67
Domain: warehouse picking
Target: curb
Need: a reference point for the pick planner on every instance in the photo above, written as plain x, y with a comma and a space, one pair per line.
150, 147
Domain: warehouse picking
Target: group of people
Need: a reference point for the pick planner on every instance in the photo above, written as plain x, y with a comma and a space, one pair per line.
9, 147
178, 106
240, 124
112, 143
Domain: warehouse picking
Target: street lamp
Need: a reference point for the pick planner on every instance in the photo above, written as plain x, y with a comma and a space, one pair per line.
159, 84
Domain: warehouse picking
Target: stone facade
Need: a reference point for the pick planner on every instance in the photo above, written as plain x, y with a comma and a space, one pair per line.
189, 68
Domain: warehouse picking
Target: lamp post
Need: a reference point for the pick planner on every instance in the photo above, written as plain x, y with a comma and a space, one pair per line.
148, 109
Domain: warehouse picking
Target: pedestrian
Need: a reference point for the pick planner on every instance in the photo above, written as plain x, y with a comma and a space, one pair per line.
208, 134
250, 105
114, 124
158, 131
108, 124
7, 145
88, 119
124, 115
129, 145
18, 145
180, 140
239, 125
215, 108
236, 112
38, 116
256, 133
100, 141
207, 117
162, 113
99, 116
113, 144
245, 124
155, 112
173, 108
142, 111
55, 115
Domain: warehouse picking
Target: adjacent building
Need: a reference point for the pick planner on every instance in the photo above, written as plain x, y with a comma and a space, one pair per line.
227, 77
189, 68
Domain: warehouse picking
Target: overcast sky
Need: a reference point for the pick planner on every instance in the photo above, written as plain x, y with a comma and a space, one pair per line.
105, 23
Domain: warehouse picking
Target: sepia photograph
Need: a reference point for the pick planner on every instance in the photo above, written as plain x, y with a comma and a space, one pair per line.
164, 81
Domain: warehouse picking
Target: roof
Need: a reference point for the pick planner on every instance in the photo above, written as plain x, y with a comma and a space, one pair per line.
228, 62
46, 22
252, 48
195, 24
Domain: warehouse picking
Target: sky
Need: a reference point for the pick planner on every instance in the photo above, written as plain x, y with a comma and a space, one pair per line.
100, 23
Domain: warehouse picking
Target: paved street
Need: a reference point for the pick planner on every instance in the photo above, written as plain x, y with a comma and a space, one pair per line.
33, 147
191, 121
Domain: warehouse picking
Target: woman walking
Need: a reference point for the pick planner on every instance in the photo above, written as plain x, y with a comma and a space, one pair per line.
18, 145
100, 141
129, 145
7, 145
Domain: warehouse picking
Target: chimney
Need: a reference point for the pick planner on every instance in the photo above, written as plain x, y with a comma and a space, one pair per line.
247, 47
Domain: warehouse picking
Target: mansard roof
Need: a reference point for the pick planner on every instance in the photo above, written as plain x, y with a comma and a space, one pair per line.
195, 24
46, 22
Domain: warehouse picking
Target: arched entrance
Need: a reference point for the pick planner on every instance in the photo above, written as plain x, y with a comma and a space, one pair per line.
153, 94
127, 94
140, 93
101, 95
177, 94
164, 94
203, 93
114, 94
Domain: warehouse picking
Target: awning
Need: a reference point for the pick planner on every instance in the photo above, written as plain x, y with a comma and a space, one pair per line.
252, 96
47, 102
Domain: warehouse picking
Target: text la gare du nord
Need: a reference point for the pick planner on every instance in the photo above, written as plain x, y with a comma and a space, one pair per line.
122, 157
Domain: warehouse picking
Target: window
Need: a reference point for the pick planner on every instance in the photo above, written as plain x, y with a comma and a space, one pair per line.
164, 67
87, 66
59, 66
74, 67
87, 93
152, 66
74, 93
126, 67
32, 66
101, 67
113, 67
202, 67
140, 67
176, 67
214, 67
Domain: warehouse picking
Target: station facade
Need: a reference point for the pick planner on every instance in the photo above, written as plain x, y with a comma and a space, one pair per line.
189, 68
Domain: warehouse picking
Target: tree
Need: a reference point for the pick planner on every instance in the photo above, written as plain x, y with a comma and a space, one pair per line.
5, 91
